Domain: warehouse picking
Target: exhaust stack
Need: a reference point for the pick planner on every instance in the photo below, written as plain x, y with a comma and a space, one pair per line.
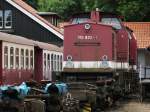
95, 15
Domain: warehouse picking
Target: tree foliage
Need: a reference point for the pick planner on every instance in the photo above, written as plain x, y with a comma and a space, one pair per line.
33, 3
132, 10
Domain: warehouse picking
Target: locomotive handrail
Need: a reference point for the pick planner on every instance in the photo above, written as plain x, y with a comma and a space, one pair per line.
85, 86
81, 83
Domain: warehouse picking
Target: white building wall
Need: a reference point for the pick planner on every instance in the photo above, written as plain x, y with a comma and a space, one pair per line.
144, 63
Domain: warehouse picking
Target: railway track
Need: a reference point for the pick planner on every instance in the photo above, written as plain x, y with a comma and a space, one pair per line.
131, 106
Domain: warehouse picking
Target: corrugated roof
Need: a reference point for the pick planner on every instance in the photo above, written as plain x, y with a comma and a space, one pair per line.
34, 13
141, 31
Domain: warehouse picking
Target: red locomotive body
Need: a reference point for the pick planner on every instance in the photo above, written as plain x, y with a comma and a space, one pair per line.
88, 45
132, 49
97, 45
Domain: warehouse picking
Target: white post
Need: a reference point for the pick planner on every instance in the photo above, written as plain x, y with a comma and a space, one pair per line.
140, 72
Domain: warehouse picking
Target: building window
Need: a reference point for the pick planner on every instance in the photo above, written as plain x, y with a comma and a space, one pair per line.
1, 19
11, 57
22, 58
58, 63
31, 58
52, 57
61, 63
48, 61
56, 21
17, 57
54, 62
8, 18
44, 60
5, 56
52, 20
27, 58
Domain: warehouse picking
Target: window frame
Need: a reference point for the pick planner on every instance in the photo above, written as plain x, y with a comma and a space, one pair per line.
5, 19
1, 12
31, 59
113, 21
52, 62
48, 61
61, 63
44, 61
79, 20
6, 63
17, 56
22, 57
26, 59
57, 62
11, 57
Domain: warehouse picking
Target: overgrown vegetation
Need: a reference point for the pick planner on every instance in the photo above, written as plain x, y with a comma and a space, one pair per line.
132, 10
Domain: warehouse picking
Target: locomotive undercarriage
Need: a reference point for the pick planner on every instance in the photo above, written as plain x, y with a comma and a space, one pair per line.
125, 79
111, 86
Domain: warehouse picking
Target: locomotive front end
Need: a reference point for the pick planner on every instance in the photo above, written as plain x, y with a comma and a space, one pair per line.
89, 48
98, 48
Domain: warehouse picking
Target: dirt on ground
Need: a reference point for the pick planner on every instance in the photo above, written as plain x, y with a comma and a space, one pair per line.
131, 106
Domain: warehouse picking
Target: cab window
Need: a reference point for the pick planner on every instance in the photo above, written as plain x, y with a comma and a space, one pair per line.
114, 22
79, 20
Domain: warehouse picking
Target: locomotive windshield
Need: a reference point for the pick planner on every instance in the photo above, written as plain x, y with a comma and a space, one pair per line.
115, 22
79, 20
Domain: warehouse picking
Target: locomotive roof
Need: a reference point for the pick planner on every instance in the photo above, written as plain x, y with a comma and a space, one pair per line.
90, 23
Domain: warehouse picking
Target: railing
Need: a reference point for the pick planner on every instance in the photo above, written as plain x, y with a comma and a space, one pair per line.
81, 91
144, 72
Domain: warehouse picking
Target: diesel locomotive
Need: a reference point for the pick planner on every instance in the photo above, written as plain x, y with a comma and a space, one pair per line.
98, 47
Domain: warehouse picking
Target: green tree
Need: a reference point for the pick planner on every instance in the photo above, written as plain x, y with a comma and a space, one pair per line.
33, 3
63, 7
132, 10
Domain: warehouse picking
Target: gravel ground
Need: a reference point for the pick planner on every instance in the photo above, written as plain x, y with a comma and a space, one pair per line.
131, 106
